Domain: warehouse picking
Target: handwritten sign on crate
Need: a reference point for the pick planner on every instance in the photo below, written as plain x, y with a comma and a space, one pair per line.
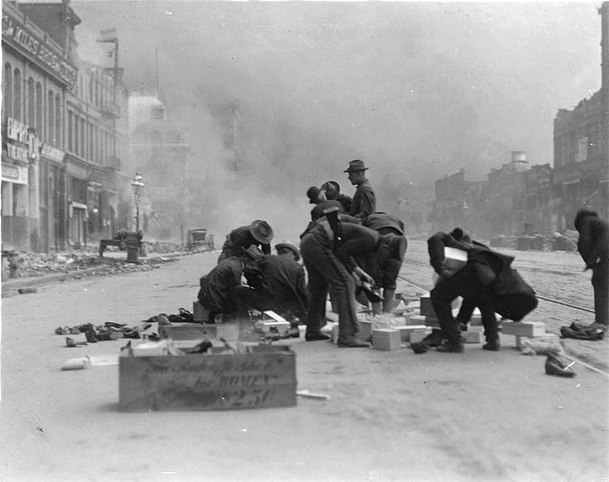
260, 379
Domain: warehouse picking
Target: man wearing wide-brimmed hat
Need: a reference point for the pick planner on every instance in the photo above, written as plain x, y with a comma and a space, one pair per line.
258, 233
218, 288
364, 200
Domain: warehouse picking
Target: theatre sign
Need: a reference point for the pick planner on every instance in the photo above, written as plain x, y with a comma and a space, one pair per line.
32, 44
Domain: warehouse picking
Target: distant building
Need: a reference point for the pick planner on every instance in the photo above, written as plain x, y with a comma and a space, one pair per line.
160, 154
63, 133
581, 150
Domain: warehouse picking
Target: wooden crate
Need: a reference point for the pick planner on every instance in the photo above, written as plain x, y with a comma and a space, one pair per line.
266, 377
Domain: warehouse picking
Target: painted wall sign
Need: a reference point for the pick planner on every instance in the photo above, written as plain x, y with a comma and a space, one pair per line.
14, 174
30, 43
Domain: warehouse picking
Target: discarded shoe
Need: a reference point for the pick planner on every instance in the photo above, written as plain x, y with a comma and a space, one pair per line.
351, 341
558, 367
63, 330
594, 332
450, 348
316, 336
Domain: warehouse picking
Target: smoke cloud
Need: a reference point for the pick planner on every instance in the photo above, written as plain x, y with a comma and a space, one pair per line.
417, 90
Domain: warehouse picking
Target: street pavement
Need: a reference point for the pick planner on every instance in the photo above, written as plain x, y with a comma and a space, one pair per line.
390, 415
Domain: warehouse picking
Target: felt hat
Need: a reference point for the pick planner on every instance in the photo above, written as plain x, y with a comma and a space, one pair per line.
313, 194
356, 165
261, 231
290, 246
253, 252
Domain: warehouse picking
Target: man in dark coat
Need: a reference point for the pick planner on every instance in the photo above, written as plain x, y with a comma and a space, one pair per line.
276, 283
327, 248
593, 246
487, 278
364, 199
385, 272
259, 233
218, 288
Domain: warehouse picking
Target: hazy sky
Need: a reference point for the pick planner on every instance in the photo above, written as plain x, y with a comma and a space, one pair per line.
417, 90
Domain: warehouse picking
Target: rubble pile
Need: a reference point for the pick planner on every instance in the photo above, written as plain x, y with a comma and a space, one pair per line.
23, 264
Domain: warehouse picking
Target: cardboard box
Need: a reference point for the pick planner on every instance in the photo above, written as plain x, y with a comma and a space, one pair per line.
524, 328
407, 331
386, 339
266, 377
472, 336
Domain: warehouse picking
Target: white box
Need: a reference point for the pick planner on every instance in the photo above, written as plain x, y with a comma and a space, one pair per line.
418, 336
454, 259
524, 328
386, 339
472, 336
407, 331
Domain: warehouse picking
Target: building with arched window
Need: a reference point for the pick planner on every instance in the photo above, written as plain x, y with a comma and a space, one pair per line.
63, 133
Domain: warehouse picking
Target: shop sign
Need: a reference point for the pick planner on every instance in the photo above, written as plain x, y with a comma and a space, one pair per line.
52, 153
19, 132
33, 45
14, 174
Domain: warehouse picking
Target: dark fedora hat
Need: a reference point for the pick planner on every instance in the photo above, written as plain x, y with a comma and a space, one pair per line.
261, 231
313, 194
356, 165
290, 246
253, 252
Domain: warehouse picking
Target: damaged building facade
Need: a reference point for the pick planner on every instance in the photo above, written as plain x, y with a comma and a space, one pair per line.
63, 133
519, 199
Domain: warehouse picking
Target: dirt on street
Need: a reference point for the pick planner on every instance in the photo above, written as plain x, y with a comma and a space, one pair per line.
391, 415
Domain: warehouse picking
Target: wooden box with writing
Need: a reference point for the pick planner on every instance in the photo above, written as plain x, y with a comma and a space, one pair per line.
260, 379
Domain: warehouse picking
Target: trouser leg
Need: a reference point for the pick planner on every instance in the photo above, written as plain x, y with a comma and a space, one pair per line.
463, 283
600, 282
489, 321
318, 285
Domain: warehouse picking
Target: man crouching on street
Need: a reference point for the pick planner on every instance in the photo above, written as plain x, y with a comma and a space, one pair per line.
487, 276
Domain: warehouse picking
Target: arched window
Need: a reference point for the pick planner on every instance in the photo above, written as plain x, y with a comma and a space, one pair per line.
31, 107
58, 124
50, 118
7, 86
38, 123
17, 99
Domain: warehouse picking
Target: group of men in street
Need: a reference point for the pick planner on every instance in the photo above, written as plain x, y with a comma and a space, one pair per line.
352, 252
348, 249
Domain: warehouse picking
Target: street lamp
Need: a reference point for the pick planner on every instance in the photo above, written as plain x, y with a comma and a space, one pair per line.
138, 187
